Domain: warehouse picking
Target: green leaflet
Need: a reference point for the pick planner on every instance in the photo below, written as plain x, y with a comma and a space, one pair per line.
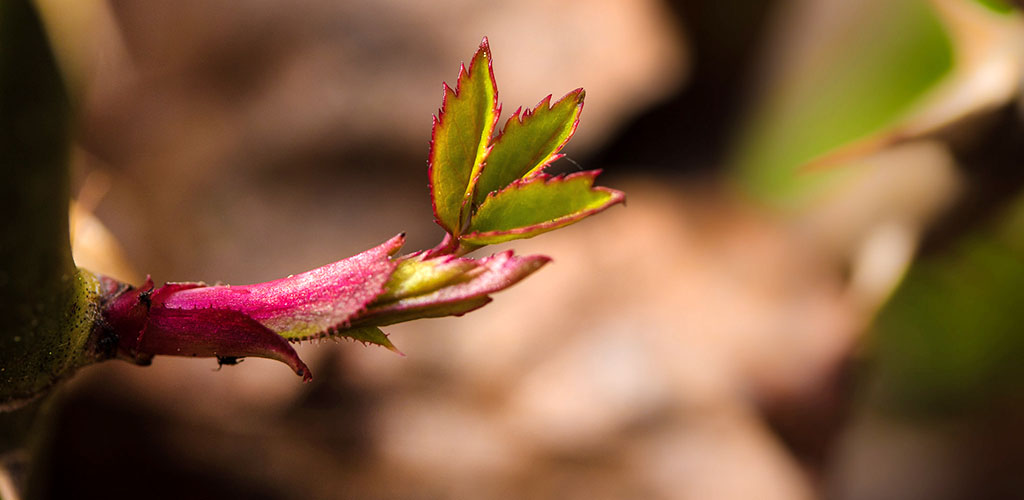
371, 335
459, 294
462, 130
495, 189
536, 205
529, 142
415, 276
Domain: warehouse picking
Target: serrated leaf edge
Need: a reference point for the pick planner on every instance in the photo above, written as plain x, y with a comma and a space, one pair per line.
437, 120
529, 113
391, 247
616, 197
523, 116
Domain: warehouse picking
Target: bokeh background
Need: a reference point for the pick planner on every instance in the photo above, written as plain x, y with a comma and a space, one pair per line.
816, 289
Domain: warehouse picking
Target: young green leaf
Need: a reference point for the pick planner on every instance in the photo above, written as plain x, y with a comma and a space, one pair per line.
459, 294
538, 204
529, 142
419, 274
462, 131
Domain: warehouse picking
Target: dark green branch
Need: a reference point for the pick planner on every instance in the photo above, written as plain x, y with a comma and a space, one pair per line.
46, 306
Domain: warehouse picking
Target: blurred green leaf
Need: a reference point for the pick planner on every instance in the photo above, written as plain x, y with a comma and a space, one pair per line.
862, 78
951, 336
1000, 6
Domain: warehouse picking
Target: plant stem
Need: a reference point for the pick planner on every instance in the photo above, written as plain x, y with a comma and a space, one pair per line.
46, 304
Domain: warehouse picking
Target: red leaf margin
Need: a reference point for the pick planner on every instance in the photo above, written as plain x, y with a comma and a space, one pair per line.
523, 117
437, 121
543, 227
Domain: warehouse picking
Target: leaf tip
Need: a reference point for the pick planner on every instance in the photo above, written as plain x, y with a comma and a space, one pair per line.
395, 243
383, 341
447, 90
483, 52
532, 263
307, 376
616, 196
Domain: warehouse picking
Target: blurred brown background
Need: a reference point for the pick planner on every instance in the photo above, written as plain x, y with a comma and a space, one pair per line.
712, 339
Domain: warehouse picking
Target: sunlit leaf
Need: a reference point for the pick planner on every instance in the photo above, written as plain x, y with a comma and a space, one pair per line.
462, 131
529, 142
538, 204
